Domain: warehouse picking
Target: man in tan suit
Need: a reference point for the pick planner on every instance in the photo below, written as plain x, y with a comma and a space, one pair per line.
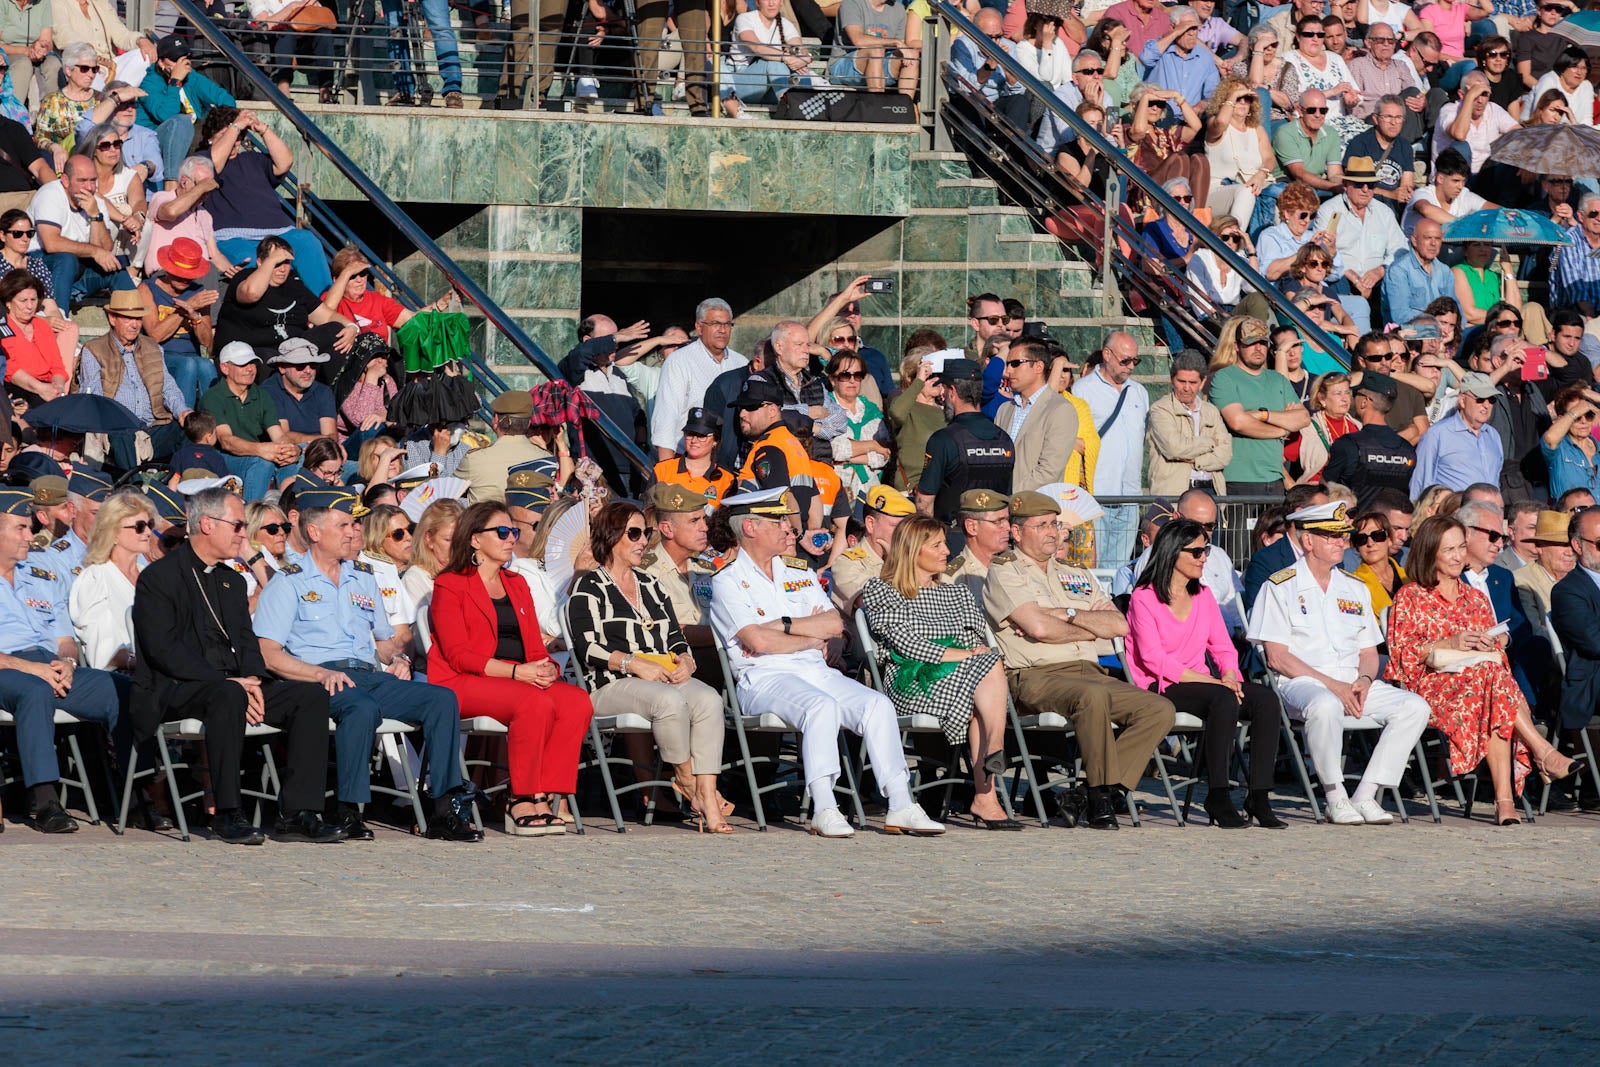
1041, 423
1553, 560
1189, 442
487, 468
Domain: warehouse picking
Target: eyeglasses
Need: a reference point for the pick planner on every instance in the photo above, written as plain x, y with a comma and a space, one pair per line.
1558, 8
1314, 110
505, 533
1015, 363
993, 320
1197, 551
1558, 181
1494, 536
237, 524
1124, 362
1357, 540
718, 325
273, 528
634, 533
1299, 215
849, 376
1381, 40
1155, 105
1096, 70
1317, 264
1585, 415
1591, 214
139, 527
103, 145
86, 69
20, 233
1232, 238
400, 534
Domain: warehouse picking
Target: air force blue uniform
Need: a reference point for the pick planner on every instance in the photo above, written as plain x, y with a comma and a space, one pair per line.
32, 620
335, 625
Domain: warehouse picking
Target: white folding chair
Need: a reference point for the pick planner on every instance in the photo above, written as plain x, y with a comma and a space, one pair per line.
194, 731
76, 775
602, 727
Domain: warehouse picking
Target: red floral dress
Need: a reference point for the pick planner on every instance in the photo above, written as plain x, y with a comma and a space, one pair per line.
1470, 707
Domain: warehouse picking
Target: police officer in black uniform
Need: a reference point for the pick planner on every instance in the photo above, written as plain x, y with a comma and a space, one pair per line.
971, 452
1374, 457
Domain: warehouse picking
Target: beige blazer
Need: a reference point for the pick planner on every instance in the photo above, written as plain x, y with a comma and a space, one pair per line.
486, 468
1045, 442
1176, 450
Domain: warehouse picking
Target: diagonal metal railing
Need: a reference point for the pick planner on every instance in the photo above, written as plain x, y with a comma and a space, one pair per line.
1042, 96
469, 290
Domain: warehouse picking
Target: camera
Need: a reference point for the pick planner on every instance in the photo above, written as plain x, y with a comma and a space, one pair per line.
880, 285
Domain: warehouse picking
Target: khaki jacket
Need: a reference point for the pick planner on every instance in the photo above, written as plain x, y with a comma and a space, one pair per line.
1176, 450
1045, 442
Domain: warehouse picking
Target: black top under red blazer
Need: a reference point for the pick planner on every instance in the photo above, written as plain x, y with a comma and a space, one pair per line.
465, 630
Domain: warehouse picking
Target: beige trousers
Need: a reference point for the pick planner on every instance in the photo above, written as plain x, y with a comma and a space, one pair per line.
685, 719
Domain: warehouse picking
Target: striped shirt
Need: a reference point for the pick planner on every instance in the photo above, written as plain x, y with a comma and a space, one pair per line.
1576, 275
602, 621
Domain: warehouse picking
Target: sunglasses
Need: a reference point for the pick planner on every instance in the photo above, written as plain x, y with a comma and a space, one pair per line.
1232, 238
1183, 199
1015, 363
849, 376
1300, 215
362, 274
1548, 181
400, 534
1591, 214
20, 233
237, 524
843, 340
1379, 536
1155, 105
1494, 536
1197, 551
103, 145
1314, 110
82, 69
634, 533
1313, 34
994, 320
1317, 264
274, 528
1497, 55
1508, 324
1096, 70
1386, 40
505, 533
141, 526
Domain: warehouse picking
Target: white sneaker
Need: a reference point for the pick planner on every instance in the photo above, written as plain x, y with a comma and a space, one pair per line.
831, 823
1372, 813
589, 87
912, 820
1344, 813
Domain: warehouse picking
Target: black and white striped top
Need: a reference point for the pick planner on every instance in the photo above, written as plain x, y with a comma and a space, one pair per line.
603, 622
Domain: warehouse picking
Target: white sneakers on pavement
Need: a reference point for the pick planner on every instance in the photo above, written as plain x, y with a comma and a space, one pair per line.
1372, 813
1343, 813
831, 823
912, 820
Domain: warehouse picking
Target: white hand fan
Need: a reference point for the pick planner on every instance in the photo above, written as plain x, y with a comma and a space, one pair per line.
1077, 506
417, 501
568, 539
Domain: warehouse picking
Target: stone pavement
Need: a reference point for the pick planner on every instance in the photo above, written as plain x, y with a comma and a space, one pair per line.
1314, 944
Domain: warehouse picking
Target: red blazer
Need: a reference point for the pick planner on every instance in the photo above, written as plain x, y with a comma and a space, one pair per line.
465, 630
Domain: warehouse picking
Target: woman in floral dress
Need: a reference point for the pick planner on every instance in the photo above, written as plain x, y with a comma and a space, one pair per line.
1311, 66
1480, 709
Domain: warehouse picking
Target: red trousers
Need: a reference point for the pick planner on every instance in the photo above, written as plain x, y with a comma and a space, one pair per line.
545, 728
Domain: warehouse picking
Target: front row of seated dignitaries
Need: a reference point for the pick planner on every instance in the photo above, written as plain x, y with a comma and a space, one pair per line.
770, 613
321, 632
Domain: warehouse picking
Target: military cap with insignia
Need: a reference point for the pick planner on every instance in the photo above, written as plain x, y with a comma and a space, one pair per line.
414, 476
513, 402
197, 480
670, 499
35, 465
48, 491
1332, 517
1029, 505
984, 500
168, 503
887, 500
15, 501
90, 484
527, 486
333, 498
770, 503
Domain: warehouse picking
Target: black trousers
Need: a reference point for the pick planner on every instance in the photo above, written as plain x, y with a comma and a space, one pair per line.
1216, 707
299, 709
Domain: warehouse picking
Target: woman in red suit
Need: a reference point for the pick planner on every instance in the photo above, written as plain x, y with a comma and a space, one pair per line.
487, 650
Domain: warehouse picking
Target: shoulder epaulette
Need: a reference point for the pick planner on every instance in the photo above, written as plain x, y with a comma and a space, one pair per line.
362, 565
62, 545
39, 541
40, 572
1007, 556
649, 560
1282, 576
797, 563
290, 568
955, 563
858, 552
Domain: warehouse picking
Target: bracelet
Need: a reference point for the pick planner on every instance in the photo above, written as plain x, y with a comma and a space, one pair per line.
623, 666
514, 667
1368, 677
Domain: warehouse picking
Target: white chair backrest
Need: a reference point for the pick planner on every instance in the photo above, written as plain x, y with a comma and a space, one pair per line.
869, 648
1555, 643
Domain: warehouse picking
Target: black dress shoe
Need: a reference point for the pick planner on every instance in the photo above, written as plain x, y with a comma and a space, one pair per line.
1007, 823
355, 828
1102, 813
307, 826
234, 829
452, 827
1219, 806
53, 819
1560, 800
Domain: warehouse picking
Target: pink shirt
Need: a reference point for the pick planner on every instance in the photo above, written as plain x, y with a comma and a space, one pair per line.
1451, 26
196, 226
1160, 646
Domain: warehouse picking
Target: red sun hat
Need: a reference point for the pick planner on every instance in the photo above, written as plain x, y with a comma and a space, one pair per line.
184, 258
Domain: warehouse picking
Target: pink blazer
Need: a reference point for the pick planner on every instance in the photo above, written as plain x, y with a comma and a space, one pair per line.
1160, 647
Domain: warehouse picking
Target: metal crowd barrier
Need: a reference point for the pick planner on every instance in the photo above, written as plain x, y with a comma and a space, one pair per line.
1236, 518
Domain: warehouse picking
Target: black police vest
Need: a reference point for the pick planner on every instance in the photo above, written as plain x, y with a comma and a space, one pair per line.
1385, 463
985, 464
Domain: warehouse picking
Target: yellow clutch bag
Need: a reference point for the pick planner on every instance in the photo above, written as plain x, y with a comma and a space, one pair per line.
667, 661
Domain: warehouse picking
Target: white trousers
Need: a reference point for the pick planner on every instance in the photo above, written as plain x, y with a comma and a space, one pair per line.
1404, 716
817, 704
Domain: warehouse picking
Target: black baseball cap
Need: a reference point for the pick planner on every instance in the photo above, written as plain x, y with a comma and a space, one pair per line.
172, 47
702, 423
758, 392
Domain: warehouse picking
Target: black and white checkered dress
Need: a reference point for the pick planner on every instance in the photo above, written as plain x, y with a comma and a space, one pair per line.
909, 629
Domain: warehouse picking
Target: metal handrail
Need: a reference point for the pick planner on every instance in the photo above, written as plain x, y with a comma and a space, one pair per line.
1046, 98
402, 222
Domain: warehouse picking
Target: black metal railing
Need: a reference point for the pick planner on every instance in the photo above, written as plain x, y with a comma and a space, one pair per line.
407, 227
994, 141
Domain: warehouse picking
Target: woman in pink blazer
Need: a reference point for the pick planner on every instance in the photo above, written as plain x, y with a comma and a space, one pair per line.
1173, 622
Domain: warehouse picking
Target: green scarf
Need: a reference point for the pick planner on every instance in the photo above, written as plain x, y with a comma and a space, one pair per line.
915, 677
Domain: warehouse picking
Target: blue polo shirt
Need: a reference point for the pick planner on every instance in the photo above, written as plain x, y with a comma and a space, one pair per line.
302, 415
29, 615
318, 621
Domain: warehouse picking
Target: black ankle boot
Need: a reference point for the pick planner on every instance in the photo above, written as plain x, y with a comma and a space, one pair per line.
1258, 807
1219, 806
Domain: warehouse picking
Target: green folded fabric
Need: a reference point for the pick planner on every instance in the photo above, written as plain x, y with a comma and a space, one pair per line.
915, 677
431, 339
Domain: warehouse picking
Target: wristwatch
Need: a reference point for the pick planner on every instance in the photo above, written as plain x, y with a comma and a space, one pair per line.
788, 624
1072, 614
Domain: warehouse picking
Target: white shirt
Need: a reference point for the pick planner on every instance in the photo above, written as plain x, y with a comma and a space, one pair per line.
780, 33
1205, 272
1362, 243
1481, 135
1218, 576
50, 204
1479, 580
1580, 101
1326, 630
1117, 471
544, 594
685, 376
1052, 66
101, 605
742, 596
1462, 206
397, 603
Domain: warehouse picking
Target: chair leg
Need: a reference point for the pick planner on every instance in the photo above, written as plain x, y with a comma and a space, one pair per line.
577, 816
1025, 761
1427, 782
1289, 742
414, 795
172, 787
749, 770
852, 781
603, 761
121, 825
466, 776
75, 760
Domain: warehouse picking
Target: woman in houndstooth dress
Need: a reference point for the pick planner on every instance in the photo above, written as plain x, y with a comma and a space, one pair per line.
933, 656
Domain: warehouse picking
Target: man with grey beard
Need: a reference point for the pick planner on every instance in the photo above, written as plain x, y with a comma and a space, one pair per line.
970, 452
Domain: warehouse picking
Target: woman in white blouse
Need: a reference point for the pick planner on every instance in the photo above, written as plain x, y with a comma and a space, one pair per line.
386, 548
766, 56
430, 550
1043, 52
102, 597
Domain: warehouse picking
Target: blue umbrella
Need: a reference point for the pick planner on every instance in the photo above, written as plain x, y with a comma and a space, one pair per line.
1506, 226
83, 413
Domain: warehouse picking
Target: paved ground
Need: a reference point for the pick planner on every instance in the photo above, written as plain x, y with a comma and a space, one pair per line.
1316, 944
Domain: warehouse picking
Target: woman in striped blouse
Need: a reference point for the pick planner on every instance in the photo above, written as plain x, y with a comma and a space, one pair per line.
622, 629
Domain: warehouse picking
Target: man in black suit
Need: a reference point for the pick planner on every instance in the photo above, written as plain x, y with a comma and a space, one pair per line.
199, 658
1574, 606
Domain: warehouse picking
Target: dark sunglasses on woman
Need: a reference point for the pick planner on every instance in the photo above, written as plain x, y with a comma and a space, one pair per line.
1357, 540
505, 533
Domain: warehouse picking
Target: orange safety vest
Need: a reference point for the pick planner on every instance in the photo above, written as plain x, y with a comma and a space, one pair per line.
714, 485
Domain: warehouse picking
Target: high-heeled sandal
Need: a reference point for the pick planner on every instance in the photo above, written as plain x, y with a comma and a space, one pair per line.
553, 800
1548, 775
1505, 813
534, 824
